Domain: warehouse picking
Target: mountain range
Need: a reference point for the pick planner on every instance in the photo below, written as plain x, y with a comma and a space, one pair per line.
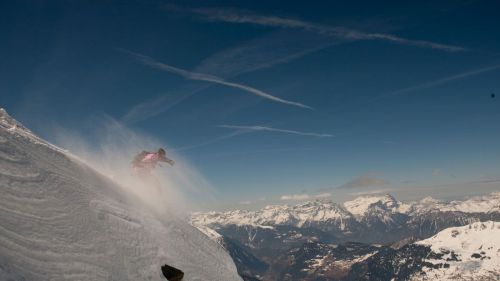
343, 241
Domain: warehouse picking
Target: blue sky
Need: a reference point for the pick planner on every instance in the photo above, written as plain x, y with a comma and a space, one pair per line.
269, 100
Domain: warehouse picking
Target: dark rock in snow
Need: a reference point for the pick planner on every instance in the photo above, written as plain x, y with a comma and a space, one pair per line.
172, 273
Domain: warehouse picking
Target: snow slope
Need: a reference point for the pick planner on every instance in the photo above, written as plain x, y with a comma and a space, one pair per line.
470, 252
61, 220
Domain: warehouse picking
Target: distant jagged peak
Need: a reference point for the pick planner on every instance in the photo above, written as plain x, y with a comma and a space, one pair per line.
476, 204
318, 203
362, 205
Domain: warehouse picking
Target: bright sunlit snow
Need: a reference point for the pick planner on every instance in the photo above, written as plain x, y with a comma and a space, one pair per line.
62, 220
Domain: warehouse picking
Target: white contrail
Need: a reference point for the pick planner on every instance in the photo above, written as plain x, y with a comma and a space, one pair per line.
209, 78
263, 52
269, 129
438, 82
211, 141
235, 16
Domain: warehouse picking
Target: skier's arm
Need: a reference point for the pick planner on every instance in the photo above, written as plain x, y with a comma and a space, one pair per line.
169, 161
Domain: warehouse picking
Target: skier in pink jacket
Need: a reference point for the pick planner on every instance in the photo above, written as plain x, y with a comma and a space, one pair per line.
145, 162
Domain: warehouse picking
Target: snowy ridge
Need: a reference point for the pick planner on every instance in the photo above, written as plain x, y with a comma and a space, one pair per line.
61, 220
212, 234
298, 215
11, 125
470, 252
477, 204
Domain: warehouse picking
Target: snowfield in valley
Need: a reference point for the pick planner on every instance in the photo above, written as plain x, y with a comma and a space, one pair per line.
470, 252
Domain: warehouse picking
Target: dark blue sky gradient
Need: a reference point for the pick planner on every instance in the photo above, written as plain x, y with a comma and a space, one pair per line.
63, 64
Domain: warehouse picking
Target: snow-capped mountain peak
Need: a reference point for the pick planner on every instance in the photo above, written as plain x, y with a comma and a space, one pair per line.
362, 206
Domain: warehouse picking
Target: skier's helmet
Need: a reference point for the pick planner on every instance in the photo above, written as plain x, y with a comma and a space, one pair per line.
161, 152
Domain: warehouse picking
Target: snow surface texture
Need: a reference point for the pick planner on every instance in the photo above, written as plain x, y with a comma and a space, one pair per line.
470, 252
61, 220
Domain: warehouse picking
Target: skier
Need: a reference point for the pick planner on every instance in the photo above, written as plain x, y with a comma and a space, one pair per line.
145, 162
